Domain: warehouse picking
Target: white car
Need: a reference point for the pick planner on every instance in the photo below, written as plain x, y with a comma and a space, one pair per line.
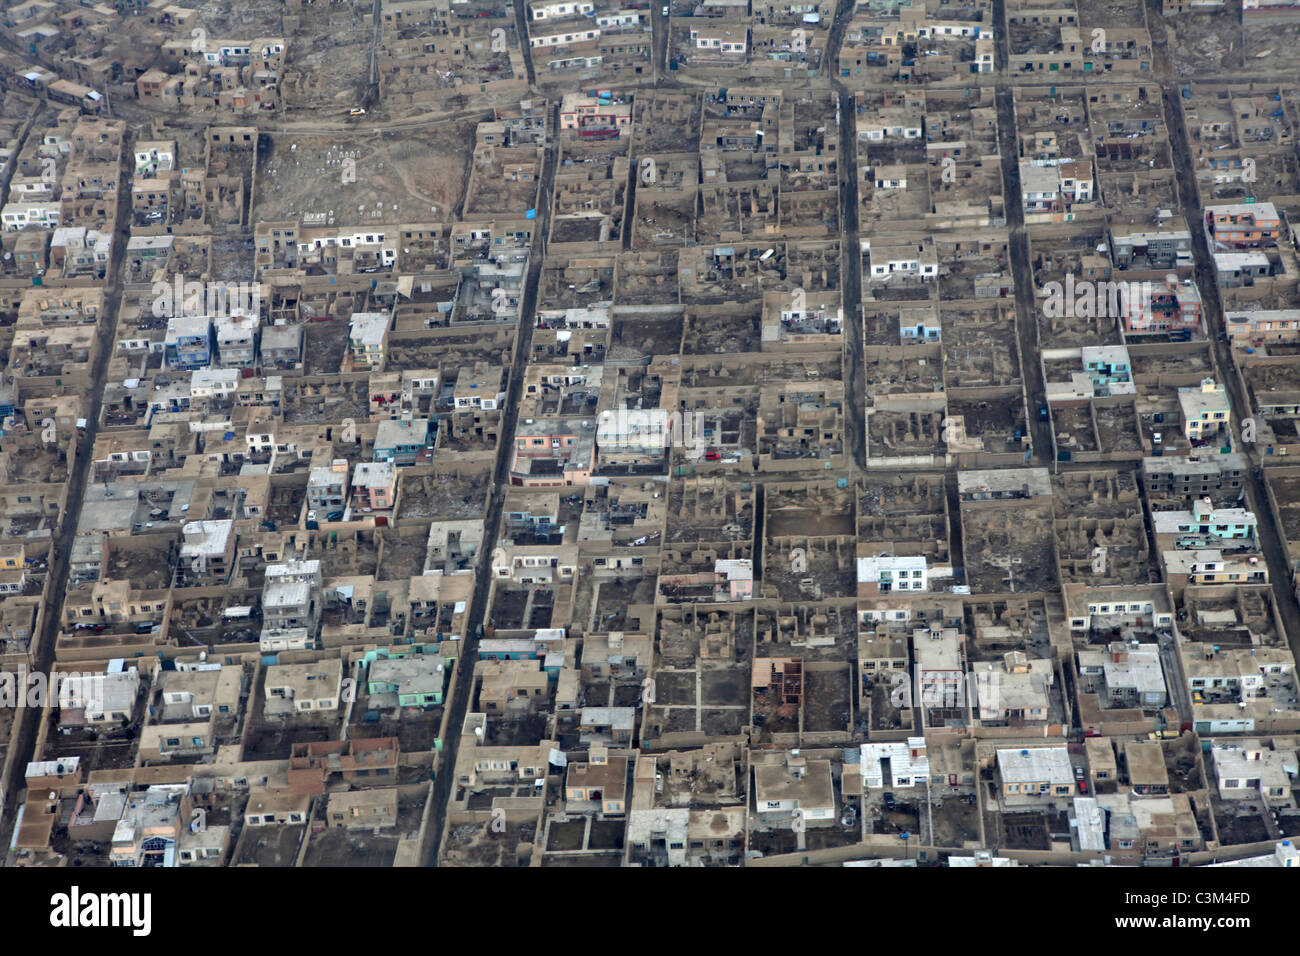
665, 11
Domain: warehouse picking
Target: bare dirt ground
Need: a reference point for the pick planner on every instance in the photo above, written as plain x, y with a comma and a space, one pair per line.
412, 176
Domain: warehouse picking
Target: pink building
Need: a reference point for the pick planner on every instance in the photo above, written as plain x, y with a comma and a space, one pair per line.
374, 486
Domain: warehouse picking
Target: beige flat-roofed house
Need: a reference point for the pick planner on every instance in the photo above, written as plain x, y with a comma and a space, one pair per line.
1018, 690
607, 724
1166, 824
478, 766
788, 784
363, 809
881, 655
1147, 773
303, 688
1101, 759
1036, 772
601, 783
512, 686
163, 741
205, 847
276, 807
192, 702
199, 694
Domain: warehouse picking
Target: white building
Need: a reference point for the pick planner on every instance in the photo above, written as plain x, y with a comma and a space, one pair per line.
627, 429
912, 260
153, 157
909, 766
888, 574
102, 698
564, 8
1250, 768
21, 215
1284, 854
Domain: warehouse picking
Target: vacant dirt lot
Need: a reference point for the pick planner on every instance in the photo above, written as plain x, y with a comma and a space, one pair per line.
412, 176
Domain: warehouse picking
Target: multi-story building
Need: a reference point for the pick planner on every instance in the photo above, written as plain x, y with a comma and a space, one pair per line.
188, 342
1252, 225
1206, 412
374, 486
368, 339
1188, 476
327, 487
